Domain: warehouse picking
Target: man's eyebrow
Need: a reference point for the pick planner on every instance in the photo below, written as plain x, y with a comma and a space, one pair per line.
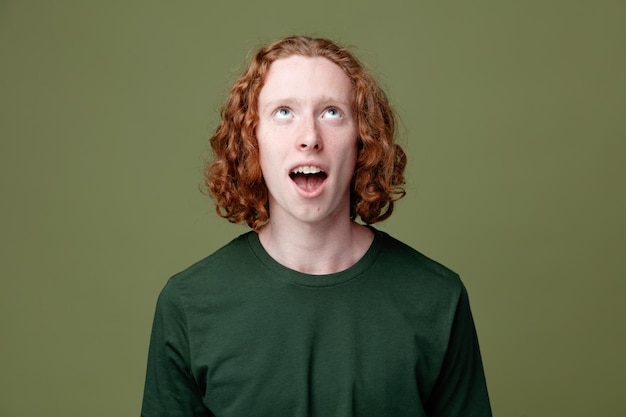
280, 102
331, 100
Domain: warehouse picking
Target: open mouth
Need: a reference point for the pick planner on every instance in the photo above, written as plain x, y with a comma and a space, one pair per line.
308, 177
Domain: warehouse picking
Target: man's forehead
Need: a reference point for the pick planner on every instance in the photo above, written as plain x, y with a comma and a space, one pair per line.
296, 76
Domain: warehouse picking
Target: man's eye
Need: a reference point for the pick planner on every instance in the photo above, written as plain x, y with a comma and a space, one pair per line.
283, 113
332, 113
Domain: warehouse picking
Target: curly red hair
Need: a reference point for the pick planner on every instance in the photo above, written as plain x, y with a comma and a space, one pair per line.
234, 176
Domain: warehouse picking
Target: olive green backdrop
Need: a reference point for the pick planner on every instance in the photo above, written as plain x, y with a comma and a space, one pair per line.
512, 113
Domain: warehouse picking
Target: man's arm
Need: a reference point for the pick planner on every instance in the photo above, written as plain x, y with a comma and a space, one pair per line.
461, 389
170, 389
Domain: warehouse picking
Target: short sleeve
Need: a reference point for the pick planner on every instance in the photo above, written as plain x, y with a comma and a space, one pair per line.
461, 389
170, 389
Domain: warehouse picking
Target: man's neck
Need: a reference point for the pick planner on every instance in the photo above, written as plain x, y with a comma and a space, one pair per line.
316, 249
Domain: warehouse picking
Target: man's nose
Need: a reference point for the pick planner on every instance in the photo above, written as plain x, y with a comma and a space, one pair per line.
310, 138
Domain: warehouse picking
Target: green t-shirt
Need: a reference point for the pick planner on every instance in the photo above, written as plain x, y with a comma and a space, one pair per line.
239, 335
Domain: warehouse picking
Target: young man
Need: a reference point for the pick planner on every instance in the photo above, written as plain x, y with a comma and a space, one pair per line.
311, 313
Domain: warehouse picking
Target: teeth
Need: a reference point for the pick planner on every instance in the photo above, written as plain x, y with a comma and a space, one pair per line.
307, 169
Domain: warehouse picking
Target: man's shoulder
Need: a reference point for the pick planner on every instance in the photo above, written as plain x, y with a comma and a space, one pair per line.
223, 262
402, 261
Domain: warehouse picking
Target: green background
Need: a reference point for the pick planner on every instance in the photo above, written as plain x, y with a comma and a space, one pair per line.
512, 113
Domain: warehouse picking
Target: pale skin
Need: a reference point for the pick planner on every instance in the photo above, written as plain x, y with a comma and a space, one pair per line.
306, 125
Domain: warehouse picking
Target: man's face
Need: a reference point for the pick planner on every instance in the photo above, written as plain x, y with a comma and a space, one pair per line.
307, 135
